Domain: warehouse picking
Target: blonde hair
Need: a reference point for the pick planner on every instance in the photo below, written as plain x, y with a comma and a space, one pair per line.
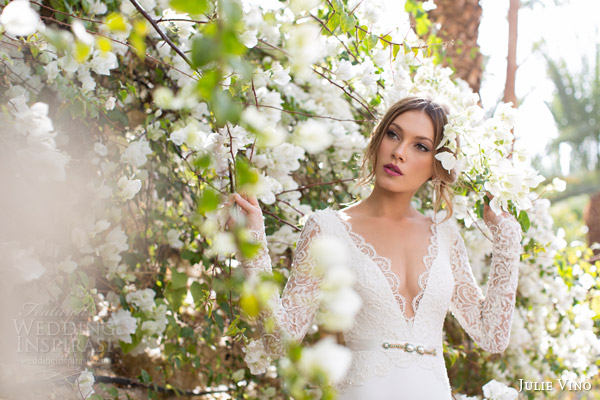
442, 178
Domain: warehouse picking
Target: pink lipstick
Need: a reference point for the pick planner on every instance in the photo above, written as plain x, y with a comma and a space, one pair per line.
391, 169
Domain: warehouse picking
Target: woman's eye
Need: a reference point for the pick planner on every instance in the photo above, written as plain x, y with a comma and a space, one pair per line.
391, 134
422, 147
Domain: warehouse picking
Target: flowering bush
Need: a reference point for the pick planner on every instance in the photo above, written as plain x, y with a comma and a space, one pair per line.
125, 126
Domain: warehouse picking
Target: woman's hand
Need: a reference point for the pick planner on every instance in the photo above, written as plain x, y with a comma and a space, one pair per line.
489, 216
248, 205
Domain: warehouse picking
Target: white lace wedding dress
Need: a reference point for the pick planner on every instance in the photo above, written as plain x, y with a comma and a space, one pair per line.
417, 370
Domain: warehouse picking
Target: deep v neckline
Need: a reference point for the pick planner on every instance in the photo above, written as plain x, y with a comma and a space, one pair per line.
384, 265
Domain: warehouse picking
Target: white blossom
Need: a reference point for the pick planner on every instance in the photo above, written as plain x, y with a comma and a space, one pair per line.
67, 266
173, 238
142, 299
256, 357
448, 160
129, 187
81, 33
102, 63
85, 382
312, 135
302, 6
98, 7
19, 19
137, 153
116, 242
100, 149
109, 104
248, 38
121, 326
304, 47
280, 75
326, 356
494, 390
345, 71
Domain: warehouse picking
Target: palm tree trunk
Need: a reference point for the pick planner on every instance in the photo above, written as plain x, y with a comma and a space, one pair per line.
459, 28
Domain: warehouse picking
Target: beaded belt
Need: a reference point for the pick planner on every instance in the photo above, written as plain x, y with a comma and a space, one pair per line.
374, 344
409, 348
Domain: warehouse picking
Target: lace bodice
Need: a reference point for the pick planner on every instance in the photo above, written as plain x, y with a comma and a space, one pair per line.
447, 284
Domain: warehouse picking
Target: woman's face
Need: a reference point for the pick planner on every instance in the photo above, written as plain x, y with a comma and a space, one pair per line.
407, 144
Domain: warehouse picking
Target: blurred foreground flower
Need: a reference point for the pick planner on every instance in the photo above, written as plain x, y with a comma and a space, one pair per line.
256, 357
19, 19
326, 356
494, 390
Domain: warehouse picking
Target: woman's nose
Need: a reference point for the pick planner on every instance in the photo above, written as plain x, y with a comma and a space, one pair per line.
399, 151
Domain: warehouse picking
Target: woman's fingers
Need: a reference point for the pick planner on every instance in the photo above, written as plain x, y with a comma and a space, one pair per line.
245, 204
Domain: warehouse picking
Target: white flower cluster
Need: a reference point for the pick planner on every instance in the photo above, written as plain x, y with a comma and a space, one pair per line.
121, 326
339, 302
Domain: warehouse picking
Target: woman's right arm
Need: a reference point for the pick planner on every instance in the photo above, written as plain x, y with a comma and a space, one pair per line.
289, 316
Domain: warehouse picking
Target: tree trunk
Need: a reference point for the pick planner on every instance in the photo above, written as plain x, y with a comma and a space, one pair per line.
459, 28
510, 94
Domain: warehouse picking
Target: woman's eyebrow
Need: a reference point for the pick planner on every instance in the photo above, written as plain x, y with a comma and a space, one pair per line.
402, 130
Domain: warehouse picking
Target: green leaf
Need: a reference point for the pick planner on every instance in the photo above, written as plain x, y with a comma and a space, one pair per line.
193, 7
175, 296
198, 293
371, 41
395, 50
224, 108
245, 174
385, 41
338, 6
347, 23
479, 209
231, 44
204, 50
249, 304
524, 220
333, 22
249, 249
208, 201
208, 83
178, 279
145, 377
362, 31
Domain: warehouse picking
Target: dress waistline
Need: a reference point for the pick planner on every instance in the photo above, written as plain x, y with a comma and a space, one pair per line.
395, 345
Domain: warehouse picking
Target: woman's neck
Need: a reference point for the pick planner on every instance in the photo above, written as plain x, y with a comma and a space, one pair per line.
389, 205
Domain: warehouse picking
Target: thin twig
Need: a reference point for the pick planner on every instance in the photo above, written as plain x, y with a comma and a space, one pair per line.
478, 227
314, 184
161, 33
291, 206
366, 107
273, 46
340, 40
65, 13
180, 20
278, 218
124, 44
309, 115
173, 391
254, 92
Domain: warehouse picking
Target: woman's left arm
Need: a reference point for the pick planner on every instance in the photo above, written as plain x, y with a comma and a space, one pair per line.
488, 319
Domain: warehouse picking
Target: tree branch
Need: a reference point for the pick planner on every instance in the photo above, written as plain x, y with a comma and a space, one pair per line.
161, 33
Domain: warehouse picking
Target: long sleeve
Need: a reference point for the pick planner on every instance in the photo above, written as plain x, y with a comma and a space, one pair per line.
289, 316
488, 319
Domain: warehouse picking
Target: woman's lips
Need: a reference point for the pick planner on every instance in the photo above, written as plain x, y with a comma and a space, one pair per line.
390, 171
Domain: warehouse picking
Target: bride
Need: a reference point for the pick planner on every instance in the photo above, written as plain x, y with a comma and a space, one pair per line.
410, 268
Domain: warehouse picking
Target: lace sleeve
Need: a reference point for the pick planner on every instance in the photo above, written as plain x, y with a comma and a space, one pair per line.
488, 319
289, 316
